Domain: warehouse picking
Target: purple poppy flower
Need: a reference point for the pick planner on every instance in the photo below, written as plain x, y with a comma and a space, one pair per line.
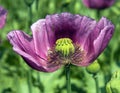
3, 14
98, 4
88, 37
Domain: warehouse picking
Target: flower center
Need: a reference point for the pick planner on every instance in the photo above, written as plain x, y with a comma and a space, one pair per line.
65, 52
64, 46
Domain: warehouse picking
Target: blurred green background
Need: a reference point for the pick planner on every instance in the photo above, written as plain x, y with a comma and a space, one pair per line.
17, 77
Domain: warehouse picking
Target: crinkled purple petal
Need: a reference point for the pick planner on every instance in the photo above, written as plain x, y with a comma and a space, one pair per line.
3, 14
60, 26
24, 45
85, 27
97, 40
42, 41
40, 37
104, 34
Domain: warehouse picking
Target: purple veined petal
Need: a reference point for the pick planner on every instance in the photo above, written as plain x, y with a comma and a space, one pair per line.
88, 55
24, 46
40, 38
102, 40
39, 67
21, 40
32, 62
102, 34
85, 27
96, 40
60, 26
3, 14
42, 43
98, 45
51, 28
102, 23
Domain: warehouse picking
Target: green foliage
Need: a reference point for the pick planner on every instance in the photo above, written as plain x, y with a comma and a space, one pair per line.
113, 86
17, 77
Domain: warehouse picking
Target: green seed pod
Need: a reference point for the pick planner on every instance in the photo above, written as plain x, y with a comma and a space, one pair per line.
93, 68
64, 46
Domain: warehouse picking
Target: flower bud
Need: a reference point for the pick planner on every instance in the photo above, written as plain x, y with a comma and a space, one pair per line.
113, 86
93, 68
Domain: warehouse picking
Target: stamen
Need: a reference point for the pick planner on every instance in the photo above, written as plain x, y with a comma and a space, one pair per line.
65, 53
78, 55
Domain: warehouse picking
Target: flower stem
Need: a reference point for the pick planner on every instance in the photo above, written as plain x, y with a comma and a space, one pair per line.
29, 5
68, 84
98, 14
96, 83
30, 15
37, 2
40, 86
29, 81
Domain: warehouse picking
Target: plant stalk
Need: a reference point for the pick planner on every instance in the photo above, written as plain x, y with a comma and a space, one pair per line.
68, 83
29, 80
96, 83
